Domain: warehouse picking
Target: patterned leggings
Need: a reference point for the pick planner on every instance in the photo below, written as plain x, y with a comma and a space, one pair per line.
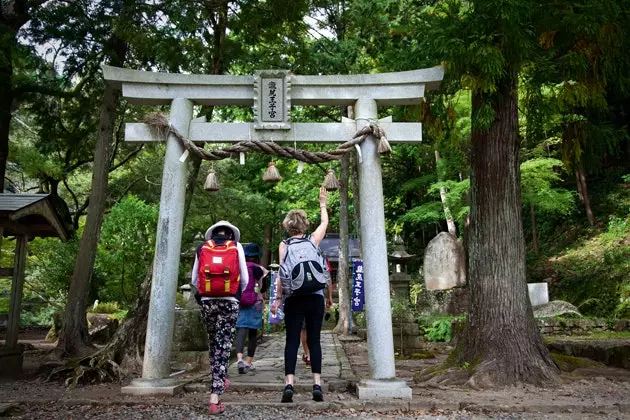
219, 317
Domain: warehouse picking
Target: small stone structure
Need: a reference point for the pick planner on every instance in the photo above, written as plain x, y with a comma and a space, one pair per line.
538, 293
407, 336
399, 278
444, 263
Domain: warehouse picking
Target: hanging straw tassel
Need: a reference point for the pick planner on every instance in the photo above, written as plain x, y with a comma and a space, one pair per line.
211, 182
272, 174
330, 181
383, 143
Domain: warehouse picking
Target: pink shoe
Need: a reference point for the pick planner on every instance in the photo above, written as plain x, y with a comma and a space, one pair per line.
216, 408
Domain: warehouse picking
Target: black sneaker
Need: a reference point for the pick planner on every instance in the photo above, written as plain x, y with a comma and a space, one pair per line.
241, 367
287, 394
318, 395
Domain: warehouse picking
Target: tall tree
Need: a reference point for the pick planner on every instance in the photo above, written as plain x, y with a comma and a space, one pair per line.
585, 67
14, 14
484, 45
97, 34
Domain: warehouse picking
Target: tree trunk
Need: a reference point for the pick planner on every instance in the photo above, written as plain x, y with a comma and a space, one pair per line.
580, 178
501, 342
266, 253
122, 356
125, 347
75, 338
532, 212
6, 100
452, 229
343, 284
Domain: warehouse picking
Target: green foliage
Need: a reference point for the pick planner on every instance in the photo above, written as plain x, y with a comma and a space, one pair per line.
41, 317
125, 249
4, 305
537, 177
105, 308
414, 291
439, 330
594, 275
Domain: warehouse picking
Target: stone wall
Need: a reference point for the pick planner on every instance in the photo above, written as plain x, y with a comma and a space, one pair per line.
580, 326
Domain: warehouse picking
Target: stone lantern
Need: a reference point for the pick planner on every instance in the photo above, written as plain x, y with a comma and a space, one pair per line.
399, 278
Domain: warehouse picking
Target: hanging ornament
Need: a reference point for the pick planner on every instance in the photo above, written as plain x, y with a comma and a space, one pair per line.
272, 174
330, 181
241, 157
300, 167
211, 183
383, 143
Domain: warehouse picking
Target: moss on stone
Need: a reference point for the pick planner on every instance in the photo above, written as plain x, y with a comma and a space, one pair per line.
570, 363
427, 355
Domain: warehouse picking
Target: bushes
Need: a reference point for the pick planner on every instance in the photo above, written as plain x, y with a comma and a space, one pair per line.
439, 330
104, 308
594, 276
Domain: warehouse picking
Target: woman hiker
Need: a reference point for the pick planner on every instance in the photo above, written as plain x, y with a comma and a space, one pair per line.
220, 275
302, 306
306, 357
250, 315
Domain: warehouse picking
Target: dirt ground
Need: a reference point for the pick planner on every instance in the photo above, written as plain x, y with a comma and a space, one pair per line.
598, 390
585, 393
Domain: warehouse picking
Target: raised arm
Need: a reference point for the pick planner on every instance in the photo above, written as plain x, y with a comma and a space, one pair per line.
320, 232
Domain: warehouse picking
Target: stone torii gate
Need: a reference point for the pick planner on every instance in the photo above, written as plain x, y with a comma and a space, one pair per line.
272, 93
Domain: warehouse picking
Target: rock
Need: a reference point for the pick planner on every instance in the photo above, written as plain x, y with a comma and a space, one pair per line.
555, 308
189, 333
102, 327
444, 263
452, 302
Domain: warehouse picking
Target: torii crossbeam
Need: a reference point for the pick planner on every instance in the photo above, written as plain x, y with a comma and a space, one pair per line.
272, 93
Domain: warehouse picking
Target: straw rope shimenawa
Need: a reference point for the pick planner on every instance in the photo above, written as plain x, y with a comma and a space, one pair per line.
161, 126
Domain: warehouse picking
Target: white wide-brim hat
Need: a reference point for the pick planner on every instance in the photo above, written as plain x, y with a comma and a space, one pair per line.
223, 223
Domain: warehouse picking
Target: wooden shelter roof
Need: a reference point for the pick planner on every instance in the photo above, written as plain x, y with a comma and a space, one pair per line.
32, 215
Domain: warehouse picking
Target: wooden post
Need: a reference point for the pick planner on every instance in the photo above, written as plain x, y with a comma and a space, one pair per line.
17, 286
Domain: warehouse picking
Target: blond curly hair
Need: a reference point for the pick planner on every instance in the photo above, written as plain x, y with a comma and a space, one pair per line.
295, 223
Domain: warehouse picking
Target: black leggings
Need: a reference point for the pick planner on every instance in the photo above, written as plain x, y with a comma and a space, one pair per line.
308, 308
251, 341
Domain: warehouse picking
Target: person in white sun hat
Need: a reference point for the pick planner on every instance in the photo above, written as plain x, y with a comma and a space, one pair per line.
220, 276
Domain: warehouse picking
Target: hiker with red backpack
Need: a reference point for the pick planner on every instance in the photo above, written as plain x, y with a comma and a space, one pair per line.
303, 278
220, 275
251, 311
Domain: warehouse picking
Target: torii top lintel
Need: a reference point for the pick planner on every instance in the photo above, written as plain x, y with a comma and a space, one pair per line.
155, 88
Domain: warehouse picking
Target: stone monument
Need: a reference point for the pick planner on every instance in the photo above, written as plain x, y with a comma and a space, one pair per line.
444, 264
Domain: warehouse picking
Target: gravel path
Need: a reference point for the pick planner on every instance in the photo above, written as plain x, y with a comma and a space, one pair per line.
249, 412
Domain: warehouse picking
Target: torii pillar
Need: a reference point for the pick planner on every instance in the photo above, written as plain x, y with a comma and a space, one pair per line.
272, 93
